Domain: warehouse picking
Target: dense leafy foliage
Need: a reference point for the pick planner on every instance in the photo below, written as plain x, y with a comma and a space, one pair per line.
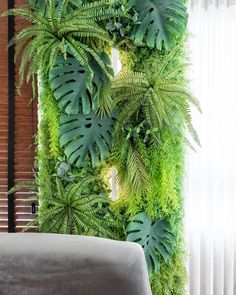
153, 236
92, 121
60, 31
41, 5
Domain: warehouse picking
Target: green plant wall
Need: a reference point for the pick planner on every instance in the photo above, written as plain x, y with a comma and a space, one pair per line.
92, 121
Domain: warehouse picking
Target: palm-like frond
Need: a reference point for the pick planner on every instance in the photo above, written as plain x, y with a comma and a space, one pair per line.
132, 171
60, 30
105, 102
72, 211
25, 185
158, 98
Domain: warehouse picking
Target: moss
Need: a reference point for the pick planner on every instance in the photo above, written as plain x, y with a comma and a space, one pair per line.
50, 113
172, 277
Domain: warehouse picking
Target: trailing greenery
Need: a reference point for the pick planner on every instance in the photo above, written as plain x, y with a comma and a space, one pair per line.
91, 121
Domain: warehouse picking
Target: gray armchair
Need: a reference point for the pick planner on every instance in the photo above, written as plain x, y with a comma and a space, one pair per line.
38, 264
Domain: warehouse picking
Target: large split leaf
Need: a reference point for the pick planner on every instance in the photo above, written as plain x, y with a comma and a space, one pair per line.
161, 22
154, 236
85, 137
69, 82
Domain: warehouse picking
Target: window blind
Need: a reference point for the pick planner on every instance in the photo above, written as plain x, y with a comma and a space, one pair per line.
25, 125
3, 120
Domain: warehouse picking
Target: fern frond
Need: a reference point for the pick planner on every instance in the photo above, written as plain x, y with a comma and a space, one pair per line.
73, 212
93, 9
96, 57
83, 28
27, 14
137, 173
60, 10
62, 28
105, 102
80, 54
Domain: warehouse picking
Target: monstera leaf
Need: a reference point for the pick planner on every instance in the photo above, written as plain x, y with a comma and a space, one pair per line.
154, 236
161, 22
68, 80
85, 137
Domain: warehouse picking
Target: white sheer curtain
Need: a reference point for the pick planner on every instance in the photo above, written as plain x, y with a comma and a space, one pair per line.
211, 172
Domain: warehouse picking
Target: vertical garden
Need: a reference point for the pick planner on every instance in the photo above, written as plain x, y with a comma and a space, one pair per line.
93, 122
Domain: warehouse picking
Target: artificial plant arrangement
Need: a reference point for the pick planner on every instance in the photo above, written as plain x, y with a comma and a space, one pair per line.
92, 121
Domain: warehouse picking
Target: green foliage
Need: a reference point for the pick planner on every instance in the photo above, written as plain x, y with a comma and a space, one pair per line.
161, 22
166, 175
157, 96
161, 147
46, 169
121, 26
154, 236
60, 31
172, 277
69, 82
132, 172
24, 185
41, 5
72, 211
85, 136
136, 122
51, 114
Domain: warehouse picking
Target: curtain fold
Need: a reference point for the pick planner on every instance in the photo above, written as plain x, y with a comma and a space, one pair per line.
206, 3
210, 187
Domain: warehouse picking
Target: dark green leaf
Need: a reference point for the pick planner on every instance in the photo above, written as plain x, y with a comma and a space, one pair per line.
69, 82
155, 238
85, 136
161, 22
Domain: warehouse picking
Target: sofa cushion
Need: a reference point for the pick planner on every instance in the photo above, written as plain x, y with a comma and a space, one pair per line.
37, 264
